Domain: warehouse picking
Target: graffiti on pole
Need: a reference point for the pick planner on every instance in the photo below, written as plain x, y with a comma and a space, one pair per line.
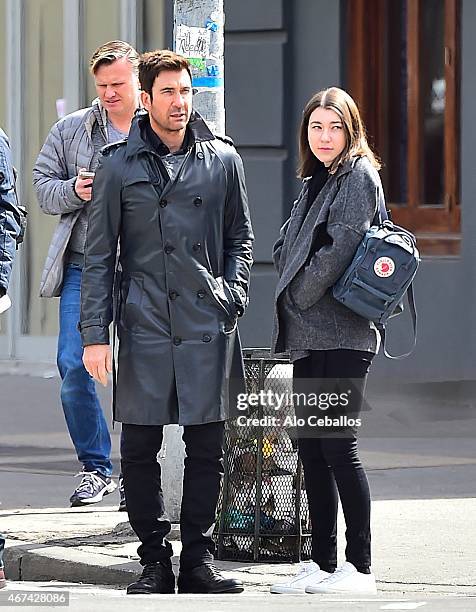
194, 44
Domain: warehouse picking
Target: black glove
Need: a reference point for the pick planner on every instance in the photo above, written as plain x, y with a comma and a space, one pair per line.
239, 297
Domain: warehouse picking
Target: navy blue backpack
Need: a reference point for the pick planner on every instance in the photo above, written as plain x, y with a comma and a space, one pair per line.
381, 274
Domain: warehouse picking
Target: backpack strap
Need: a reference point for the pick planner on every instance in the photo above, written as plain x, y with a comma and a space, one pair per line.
381, 213
413, 312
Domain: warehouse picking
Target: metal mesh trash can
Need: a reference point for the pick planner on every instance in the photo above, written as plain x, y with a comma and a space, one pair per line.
262, 510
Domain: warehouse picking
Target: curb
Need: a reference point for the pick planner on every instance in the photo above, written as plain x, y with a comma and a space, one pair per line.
38, 562
27, 561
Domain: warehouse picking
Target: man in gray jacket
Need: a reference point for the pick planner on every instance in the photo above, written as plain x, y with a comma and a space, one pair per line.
9, 230
9, 218
63, 177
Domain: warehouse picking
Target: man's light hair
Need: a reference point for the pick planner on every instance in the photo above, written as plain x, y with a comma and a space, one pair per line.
112, 51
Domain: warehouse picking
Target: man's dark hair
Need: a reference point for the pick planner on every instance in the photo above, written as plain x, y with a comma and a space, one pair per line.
154, 62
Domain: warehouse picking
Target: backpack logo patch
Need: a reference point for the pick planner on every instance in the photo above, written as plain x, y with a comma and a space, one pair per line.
384, 267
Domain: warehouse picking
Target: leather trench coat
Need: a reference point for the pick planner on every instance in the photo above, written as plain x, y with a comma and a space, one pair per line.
186, 255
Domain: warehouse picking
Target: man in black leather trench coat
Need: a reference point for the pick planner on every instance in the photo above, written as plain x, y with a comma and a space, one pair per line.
173, 195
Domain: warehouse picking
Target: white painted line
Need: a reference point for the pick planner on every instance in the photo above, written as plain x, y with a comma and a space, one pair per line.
408, 605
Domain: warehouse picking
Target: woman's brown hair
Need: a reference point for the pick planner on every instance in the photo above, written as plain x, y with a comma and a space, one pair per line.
342, 103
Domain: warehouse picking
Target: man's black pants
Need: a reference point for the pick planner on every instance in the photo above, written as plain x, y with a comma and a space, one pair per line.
201, 486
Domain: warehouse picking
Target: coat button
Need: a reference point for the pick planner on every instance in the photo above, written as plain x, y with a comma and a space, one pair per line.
173, 295
198, 201
177, 341
169, 248
163, 203
200, 155
206, 338
197, 247
201, 294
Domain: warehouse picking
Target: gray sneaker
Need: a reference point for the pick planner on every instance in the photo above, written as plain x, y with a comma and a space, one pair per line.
91, 489
122, 500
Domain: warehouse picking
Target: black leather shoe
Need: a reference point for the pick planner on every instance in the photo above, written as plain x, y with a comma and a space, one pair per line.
155, 578
206, 579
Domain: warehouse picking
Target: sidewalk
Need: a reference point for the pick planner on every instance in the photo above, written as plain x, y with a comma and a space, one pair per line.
420, 546
419, 454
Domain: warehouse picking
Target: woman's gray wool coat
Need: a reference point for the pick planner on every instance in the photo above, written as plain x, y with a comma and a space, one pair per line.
306, 316
182, 243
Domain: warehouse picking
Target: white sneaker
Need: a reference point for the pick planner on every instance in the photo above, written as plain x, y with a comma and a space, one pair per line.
346, 579
310, 574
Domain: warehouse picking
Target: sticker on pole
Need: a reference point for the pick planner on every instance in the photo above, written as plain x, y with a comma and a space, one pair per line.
384, 267
193, 42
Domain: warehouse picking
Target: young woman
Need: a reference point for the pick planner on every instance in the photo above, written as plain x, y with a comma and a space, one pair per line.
331, 347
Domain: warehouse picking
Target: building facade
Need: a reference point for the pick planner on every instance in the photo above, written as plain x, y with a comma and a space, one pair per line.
407, 62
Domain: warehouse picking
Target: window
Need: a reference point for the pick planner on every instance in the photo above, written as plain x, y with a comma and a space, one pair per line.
403, 71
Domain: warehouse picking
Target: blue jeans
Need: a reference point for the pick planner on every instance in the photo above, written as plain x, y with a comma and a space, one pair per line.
82, 410
2, 546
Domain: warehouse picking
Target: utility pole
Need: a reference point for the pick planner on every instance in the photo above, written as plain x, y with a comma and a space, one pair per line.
199, 36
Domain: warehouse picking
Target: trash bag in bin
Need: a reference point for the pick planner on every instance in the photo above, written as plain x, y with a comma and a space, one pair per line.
263, 512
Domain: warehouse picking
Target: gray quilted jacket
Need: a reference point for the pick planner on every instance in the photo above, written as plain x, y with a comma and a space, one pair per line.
9, 228
68, 148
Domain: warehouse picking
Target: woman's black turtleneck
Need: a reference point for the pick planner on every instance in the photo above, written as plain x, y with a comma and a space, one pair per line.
316, 183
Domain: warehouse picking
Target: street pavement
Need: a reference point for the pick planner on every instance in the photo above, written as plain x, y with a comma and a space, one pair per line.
422, 476
106, 599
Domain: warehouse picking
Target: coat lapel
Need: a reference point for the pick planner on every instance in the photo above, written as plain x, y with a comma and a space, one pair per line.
302, 227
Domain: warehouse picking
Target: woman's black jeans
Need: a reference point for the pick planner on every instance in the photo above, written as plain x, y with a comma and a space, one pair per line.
331, 462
